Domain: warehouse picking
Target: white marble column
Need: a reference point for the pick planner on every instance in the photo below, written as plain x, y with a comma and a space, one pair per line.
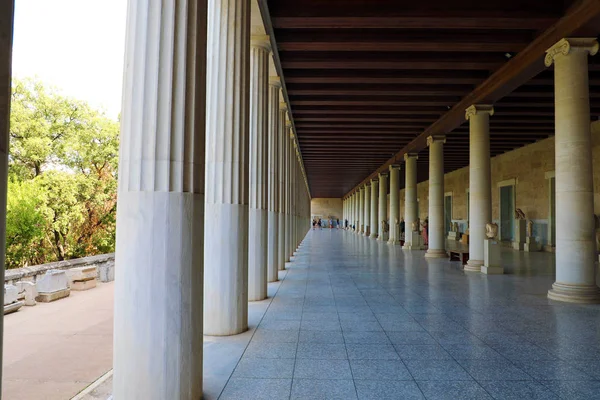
367, 209
227, 164
480, 187
394, 204
282, 159
159, 245
383, 189
361, 210
374, 208
260, 49
6, 39
288, 227
273, 216
410, 199
437, 242
575, 233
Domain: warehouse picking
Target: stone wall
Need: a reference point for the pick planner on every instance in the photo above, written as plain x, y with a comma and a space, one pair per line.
326, 207
105, 264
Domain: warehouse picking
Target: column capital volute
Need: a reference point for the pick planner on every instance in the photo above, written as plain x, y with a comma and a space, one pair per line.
275, 81
261, 41
436, 138
374, 180
476, 109
408, 156
567, 46
367, 185
384, 174
394, 166
283, 106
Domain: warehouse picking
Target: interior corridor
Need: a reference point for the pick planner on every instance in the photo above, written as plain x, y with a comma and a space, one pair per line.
357, 318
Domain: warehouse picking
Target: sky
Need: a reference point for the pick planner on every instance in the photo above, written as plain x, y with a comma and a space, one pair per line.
74, 45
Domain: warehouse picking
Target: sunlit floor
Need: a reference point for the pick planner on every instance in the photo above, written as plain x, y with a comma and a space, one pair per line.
355, 318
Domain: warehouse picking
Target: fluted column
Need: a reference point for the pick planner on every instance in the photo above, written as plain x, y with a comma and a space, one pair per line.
273, 216
260, 49
226, 236
6, 41
159, 245
288, 221
367, 209
282, 160
394, 203
383, 189
410, 199
480, 186
361, 210
374, 207
575, 244
437, 242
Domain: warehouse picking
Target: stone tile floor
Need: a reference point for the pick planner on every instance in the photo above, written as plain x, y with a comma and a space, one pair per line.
355, 318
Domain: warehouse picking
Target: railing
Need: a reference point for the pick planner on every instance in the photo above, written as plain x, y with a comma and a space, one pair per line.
104, 263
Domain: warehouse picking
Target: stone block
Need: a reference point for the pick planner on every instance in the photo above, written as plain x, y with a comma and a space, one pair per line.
453, 236
28, 291
83, 285
492, 261
52, 281
82, 274
531, 245
106, 272
53, 296
11, 294
520, 234
12, 307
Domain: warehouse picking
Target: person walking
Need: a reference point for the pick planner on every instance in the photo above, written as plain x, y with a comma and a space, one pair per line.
337, 224
320, 223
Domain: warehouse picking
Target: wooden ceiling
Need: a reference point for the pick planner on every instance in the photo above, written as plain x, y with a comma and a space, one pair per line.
369, 80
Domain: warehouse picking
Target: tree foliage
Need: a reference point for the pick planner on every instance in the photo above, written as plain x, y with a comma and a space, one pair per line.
63, 177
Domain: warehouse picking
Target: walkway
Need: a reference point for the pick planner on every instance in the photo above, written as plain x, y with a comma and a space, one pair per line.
355, 318
54, 350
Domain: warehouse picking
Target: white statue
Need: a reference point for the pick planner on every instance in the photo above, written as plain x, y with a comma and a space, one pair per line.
385, 226
455, 227
491, 230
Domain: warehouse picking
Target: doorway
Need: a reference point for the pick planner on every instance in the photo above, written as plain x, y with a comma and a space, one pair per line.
507, 213
448, 213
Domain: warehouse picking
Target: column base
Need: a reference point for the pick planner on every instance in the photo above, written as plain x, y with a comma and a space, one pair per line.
492, 270
431, 253
582, 294
473, 266
374, 236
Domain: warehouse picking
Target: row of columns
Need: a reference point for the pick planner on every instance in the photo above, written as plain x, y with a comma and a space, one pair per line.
212, 197
575, 235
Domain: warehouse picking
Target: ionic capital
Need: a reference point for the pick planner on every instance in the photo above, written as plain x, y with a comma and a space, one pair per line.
394, 166
261, 41
282, 106
383, 175
275, 81
436, 138
374, 180
567, 46
367, 185
478, 109
409, 156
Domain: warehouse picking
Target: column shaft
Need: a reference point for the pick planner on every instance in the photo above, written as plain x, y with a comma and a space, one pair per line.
258, 208
383, 189
367, 216
410, 199
480, 189
226, 236
159, 245
273, 217
437, 242
361, 210
374, 208
394, 204
575, 244
282, 162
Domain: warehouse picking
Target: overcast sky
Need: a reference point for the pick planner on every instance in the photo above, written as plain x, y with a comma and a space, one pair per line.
75, 45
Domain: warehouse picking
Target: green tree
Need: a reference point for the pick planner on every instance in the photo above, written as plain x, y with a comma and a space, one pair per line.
63, 162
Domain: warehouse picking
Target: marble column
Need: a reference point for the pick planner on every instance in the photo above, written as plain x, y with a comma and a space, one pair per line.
394, 204
383, 189
159, 244
410, 199
273, 216
437, 240
6, 40
282, 159
353, 211
575, 233
367, 210
288, 190
480, 187
374, 207
260, 49
227, 164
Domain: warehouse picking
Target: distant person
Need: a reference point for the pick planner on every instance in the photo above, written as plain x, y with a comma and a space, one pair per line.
330, 223
314, 223
424, 234
320, 223
337, 223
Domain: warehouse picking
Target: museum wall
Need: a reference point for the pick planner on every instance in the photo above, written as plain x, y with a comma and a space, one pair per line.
326, 207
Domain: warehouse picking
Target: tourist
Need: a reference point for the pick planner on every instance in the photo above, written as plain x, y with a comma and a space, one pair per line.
319, 223
337, 224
